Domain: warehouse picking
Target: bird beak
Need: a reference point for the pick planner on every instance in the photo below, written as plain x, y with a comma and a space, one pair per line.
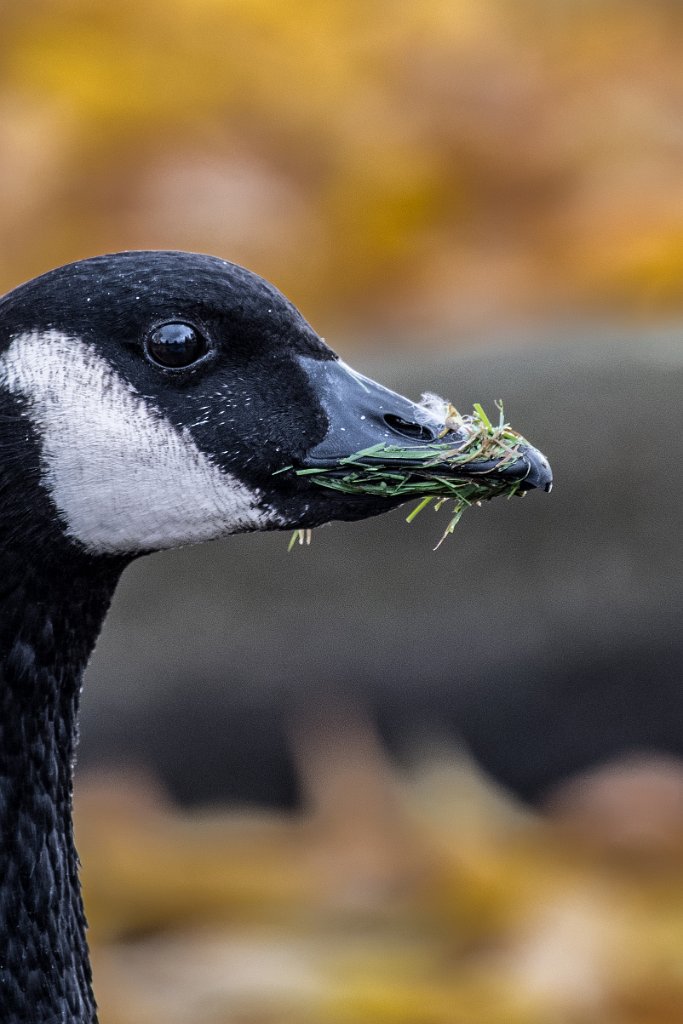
363, 414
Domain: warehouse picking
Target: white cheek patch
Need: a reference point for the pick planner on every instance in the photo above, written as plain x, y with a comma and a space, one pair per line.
121, 476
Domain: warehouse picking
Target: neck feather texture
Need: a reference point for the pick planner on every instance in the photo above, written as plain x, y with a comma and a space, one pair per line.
49, 621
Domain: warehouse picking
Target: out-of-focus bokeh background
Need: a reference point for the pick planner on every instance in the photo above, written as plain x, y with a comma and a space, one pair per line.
364, 782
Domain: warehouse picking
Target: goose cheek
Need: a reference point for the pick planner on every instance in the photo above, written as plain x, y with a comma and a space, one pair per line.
121, 477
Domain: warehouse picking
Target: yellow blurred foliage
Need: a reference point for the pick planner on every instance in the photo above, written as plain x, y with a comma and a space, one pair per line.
426, 163
432, 900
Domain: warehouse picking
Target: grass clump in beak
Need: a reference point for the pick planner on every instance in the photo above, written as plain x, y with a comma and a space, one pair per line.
459, 469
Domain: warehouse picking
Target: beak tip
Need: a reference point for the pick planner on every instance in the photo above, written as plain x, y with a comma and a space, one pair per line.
540, 475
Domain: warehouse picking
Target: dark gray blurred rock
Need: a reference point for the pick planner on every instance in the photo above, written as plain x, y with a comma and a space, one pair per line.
546, 631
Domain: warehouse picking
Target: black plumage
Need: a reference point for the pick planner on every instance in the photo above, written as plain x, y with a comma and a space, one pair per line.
49, 620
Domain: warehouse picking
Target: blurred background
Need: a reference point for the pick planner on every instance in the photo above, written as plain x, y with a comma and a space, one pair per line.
364, 781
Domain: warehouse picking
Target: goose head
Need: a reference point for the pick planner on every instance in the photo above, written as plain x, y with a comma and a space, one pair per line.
164, 398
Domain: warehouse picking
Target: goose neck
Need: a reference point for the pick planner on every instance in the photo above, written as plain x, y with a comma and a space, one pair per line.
49, 621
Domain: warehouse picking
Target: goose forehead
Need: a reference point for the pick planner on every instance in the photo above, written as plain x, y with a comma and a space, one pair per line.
122, 477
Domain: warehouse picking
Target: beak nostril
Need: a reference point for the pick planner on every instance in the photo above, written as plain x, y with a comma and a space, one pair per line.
406, 428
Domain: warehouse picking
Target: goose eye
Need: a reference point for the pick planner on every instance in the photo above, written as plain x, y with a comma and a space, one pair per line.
175, 345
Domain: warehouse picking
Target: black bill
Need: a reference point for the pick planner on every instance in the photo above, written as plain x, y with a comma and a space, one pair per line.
364, 415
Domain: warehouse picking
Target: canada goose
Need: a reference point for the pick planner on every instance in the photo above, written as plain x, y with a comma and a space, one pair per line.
147, 400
